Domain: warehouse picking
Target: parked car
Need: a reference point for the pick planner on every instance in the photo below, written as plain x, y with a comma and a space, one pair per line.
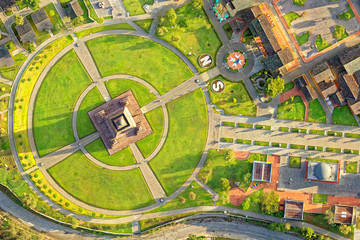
101, 5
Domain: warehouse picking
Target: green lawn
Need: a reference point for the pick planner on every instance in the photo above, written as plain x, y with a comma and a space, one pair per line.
321, 43
118, 86
185, 141
320, 198
11, 46
2, 27
7, 88
288, 86
340, 33
228, 124
352, 135
320, 221
55, 102
119, 26
293, 110
156, 120
255, 201
24, 90
135, 7
295, 162
322, 160
122, 158
83, 122
347, 14
216, 167
55, 19
291, 16
203, 198
316, 112
10, 72
351, 167
303, 38
344, 116
197, 36
41, 35
144, 24
116, 190
228, 30
244, 104
149, 60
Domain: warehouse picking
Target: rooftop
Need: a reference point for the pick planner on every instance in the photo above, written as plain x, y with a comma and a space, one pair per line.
322, 171
5, 57
261, 171
120, 122
6, 4
322, 72
293, 210
25, 32
75, 6
344, 214
41, 20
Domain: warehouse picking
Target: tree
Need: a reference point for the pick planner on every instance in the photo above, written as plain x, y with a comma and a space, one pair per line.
245, 205
33, 4
229, 155
78, 21
100, 20
192, 196
5, 145
31, 47
234, 100
67, 22
307, 232
182, 200
52, 13
344, 229
29, 200
225, 184
270, 202
197, 4
19, 20
224, 197
74, 222
274, 86
287, 226
170, 17
329, 216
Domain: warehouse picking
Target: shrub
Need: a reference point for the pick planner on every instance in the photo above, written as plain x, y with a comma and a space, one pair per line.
344, 229
278, 227
101, 215
45, 186
67, 204
287, 226
20, 136
54, 195
26, 156
50, 191
245, 205
225, 184
192, 196
36, 175
182, 200
39, 181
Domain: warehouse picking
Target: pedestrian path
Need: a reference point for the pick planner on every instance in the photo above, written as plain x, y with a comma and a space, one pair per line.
154, 185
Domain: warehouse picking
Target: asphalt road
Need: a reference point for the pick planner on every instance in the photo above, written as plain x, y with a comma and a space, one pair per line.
218, 228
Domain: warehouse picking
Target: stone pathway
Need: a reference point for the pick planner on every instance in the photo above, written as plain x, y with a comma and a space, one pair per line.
215, 196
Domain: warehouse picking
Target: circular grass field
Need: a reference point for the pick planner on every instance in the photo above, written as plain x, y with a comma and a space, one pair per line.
105, 188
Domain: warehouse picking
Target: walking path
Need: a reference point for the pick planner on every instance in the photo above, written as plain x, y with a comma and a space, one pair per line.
5, 81
214, 195
154, 185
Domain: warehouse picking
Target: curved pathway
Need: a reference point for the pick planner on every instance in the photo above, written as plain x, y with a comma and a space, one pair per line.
203, 77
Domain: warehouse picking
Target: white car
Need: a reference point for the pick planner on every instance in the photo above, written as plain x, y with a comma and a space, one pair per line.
101, 5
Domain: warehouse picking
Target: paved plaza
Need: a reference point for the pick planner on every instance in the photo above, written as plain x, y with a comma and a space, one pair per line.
318, 17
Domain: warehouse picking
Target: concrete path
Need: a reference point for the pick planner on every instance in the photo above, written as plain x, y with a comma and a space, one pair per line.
277, 123
288, 137
182, 89
86, 59
215, 196
103, 91
55, 157
154, 26
6, 81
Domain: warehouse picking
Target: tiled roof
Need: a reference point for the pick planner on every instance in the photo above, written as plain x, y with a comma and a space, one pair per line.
41, 20
25, 32
5, 57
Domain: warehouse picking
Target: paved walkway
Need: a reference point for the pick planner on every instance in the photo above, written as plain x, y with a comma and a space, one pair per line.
154, 185
5, 81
